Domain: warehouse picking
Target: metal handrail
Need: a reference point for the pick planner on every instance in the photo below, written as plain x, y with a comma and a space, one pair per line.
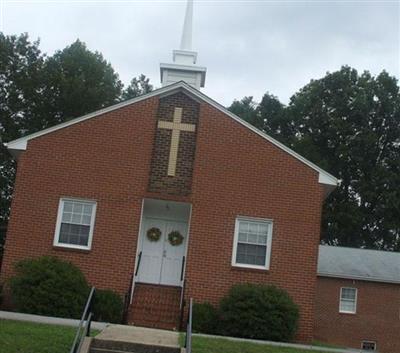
188, 341
84, 324
128, 300
183, 267
182, 304
138, 264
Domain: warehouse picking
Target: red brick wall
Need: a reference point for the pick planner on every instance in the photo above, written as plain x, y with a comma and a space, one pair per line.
236, 172
377, 317
106, 159
181, 183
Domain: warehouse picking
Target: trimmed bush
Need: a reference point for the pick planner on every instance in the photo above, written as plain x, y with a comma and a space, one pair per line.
108, 306
205, 318
259, 312
49, 286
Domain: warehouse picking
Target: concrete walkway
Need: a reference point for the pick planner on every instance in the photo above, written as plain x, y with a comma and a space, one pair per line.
140, 335
9, 315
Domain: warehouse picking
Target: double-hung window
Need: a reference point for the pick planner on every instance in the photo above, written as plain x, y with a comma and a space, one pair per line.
348, 300
75, 223
252, 243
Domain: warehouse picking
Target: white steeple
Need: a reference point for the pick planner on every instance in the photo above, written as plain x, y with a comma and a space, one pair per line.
183, 67
186, 41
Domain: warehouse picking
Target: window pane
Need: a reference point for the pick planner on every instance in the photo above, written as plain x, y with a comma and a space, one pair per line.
262, 239
77, 207
263, 229
76, 218
252, 238
253, 228
74, 234
87, 209
86, 220
349, 293
250, 254
67, 206
243, 226
243, 237
347, 306
66, 217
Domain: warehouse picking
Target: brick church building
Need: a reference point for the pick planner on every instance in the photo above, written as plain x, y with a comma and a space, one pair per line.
170, 196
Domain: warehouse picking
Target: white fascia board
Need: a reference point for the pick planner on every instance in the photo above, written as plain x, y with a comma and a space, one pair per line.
183, 67
324, 177
357, 278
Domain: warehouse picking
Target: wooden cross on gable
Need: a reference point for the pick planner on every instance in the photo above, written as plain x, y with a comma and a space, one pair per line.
176, 126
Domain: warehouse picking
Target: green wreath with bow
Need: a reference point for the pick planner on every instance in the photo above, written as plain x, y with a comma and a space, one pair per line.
154, 234
175, 238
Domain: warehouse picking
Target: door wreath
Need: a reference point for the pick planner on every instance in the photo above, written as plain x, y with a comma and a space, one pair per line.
154, 234
175, 238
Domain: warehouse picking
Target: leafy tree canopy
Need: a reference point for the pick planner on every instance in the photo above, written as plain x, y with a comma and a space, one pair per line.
137, 87
37, 91
79, 81
349, 124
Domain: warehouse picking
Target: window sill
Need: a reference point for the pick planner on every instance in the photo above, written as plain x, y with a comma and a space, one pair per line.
249, 268
347, 313
70, 249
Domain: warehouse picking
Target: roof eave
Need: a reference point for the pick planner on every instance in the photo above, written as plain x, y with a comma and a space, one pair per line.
358, 278
324, 177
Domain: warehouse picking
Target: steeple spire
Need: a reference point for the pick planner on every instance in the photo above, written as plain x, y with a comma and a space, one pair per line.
186, 41
184, 66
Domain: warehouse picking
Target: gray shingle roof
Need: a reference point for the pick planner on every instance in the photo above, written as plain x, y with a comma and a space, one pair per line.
368, 265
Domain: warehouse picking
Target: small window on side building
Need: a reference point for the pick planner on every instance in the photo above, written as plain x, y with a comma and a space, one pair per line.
348, 300
368, 346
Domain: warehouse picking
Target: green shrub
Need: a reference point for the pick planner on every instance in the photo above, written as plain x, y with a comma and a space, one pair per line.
205, 318
108, 306
259, 312
49, 286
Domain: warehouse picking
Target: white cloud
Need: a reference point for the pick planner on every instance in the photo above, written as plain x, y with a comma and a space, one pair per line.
248, 47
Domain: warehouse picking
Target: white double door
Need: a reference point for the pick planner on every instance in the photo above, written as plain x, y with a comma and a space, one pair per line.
161, 262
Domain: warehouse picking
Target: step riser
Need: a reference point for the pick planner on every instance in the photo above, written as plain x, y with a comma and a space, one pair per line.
104, 346
155, 306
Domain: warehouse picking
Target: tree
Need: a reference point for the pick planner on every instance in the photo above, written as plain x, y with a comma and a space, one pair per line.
21, 65
137, 87
247, 109
348, 124
78, 82
37, 92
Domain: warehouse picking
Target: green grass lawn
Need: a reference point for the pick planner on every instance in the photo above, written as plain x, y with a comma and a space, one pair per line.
220, 345
27, 337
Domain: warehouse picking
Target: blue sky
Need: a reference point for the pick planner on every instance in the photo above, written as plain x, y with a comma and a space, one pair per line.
249, 47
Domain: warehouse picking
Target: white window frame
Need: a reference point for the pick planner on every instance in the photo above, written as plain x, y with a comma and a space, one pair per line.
368, 350
269, 242
355, 301
59, 219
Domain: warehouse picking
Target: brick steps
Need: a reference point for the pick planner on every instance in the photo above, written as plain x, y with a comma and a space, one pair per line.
155, 306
